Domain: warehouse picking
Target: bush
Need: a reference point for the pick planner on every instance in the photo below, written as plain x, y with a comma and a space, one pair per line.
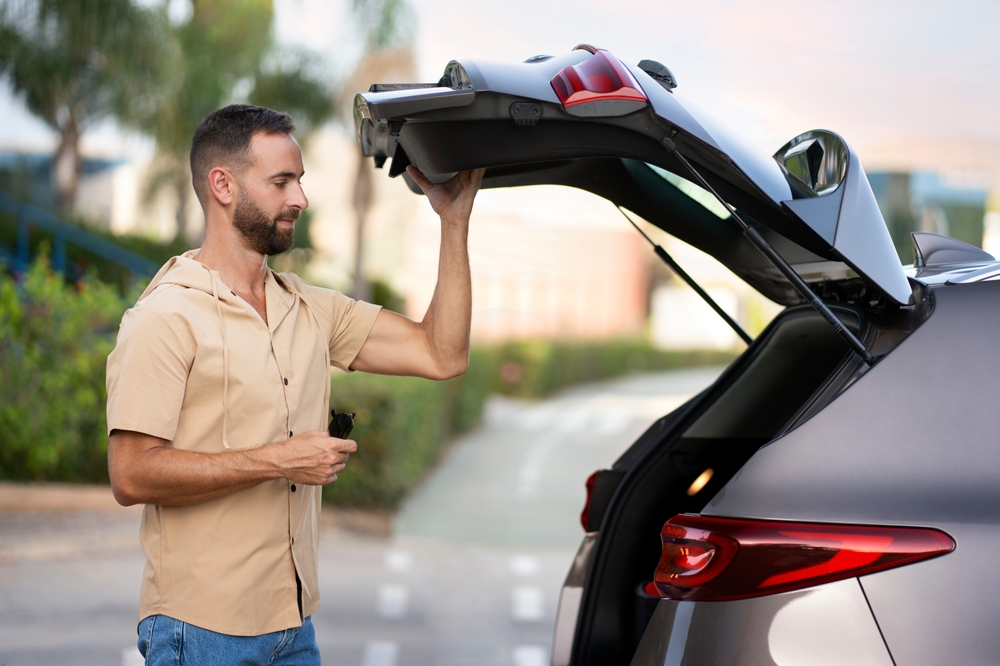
402, 423
535, 369
54, 343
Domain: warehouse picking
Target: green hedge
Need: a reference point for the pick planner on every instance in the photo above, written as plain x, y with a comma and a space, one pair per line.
403, 424
54, 343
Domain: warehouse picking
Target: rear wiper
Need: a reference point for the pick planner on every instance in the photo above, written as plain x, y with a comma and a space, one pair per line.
779, 262
679, 272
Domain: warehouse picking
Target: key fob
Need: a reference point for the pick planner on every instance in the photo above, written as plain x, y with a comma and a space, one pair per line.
341, 424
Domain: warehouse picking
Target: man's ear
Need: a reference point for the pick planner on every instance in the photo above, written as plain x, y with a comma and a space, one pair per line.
222, 185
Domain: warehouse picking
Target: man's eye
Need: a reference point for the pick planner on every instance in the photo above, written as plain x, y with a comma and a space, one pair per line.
280, 183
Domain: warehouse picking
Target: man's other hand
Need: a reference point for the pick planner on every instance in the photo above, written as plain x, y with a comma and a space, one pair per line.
313, 458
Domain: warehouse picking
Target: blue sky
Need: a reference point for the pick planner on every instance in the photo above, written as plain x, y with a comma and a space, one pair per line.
876, 71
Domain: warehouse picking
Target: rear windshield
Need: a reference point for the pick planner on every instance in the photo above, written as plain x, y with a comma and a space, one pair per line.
696, 192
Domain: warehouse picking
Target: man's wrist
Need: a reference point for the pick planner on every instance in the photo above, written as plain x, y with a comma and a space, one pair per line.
460, 222
265, 463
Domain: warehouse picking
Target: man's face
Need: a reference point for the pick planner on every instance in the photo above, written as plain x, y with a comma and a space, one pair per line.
270, 196
260, 230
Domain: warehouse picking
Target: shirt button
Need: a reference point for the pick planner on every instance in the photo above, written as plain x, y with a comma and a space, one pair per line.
286, 381
290, 433
293, 487
293, 541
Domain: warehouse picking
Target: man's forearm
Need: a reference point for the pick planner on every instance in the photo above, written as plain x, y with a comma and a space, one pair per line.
168, 476
448, 318
145, 470
438, 346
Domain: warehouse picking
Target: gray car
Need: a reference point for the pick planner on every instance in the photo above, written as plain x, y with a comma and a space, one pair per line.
833, 498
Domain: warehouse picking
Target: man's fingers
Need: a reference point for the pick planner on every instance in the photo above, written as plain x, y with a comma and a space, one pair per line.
419, 178
477, 177
343, 445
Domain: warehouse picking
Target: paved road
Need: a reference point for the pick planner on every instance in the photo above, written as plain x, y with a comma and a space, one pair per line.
470, 573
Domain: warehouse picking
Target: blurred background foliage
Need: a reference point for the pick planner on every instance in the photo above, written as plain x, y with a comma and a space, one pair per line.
227, 53
55, 338
78, 62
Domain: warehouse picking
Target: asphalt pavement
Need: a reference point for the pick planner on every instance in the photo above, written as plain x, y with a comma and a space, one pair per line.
467, 572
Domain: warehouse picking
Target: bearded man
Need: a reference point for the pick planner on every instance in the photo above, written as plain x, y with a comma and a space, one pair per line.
218, 390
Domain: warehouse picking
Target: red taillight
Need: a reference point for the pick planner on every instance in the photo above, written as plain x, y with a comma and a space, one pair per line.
585, 514
601, 77
707, 558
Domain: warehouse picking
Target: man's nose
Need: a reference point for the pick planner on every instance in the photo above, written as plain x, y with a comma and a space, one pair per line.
298, 199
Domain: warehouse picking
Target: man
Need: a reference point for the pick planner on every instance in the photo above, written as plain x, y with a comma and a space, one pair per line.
218, 392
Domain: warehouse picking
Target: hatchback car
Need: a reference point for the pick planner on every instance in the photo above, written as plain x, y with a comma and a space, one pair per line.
834, 496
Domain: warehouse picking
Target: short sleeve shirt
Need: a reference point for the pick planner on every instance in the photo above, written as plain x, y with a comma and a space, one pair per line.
196, 365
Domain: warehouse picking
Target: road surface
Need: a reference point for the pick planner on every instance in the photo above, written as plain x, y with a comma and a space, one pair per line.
469, 572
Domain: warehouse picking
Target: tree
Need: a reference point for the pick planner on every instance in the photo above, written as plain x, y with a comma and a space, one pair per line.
78, 62
388, 53
226, 47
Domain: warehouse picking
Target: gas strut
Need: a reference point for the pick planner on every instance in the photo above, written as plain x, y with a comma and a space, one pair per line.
669, 261
779, 262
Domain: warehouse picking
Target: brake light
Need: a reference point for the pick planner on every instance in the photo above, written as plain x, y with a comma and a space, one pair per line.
601, 77
708, 558
585, 514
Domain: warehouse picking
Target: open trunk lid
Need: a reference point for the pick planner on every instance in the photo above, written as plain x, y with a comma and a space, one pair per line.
588, 121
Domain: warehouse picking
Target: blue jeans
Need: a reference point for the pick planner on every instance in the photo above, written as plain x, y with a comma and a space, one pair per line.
164, 641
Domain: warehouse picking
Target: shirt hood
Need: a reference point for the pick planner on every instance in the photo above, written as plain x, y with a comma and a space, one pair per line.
183, 270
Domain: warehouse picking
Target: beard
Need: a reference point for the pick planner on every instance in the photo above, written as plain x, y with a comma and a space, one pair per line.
261, 232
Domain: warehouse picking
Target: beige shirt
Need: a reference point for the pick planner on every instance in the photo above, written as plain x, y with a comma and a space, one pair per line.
196, 365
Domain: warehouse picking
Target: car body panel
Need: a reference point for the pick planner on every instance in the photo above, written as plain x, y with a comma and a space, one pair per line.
570, 597
913, 442
930, 452
944, 610
828, 624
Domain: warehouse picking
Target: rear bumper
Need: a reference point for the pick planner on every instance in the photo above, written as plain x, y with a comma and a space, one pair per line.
829, 624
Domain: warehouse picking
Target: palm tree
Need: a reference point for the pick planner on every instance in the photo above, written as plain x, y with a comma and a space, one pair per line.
226, 46
78, 62
388, 55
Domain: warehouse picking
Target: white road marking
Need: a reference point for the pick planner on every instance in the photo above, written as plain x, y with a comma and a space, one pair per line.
537, 418
529, 655
380, 653
397, 560
524, 565
392, 601
132, 657
530, 474
527, 603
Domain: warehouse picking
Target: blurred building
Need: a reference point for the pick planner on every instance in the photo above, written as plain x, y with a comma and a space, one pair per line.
111, 196
532, 280
951, 203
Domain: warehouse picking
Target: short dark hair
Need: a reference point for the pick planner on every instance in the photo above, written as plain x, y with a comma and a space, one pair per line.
223, 138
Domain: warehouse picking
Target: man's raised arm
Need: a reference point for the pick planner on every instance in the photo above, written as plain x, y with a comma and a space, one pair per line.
438, 346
